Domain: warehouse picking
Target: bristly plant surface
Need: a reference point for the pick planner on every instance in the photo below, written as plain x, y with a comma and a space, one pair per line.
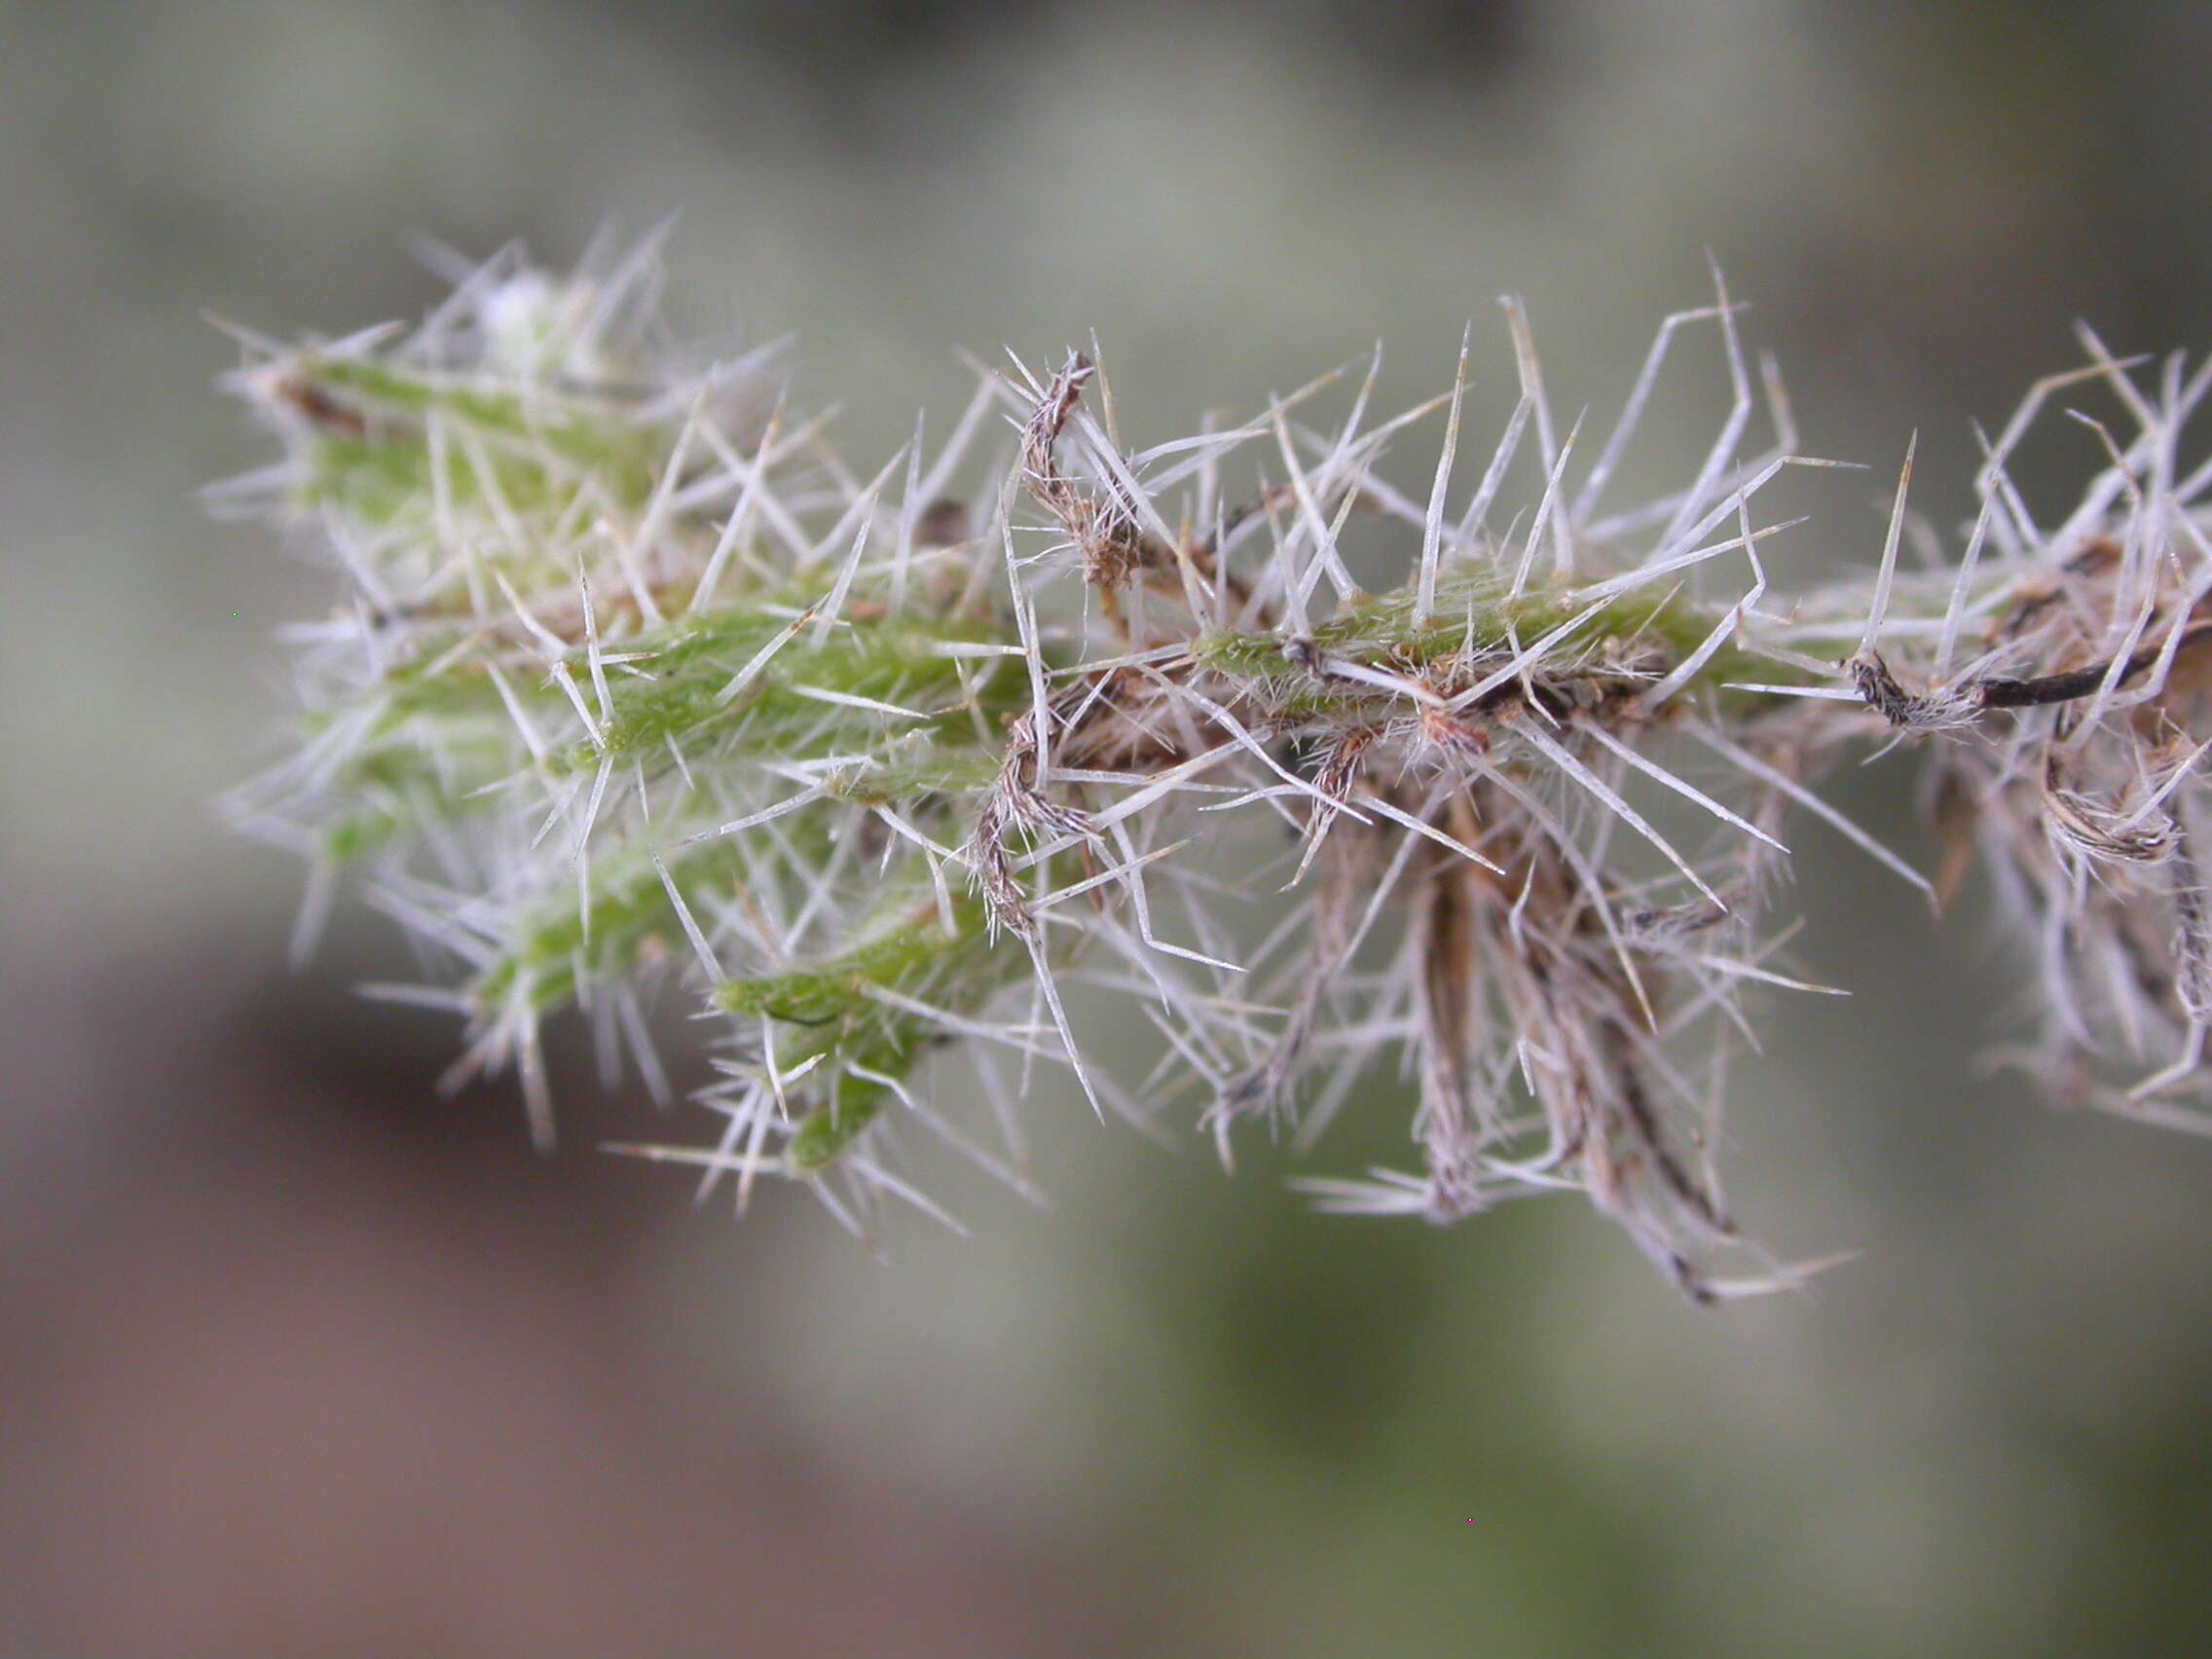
636, 686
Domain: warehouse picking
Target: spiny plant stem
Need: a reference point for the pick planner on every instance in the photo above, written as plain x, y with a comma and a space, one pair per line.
635, 684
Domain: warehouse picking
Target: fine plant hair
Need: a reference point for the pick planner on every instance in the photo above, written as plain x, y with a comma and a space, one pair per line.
636, 689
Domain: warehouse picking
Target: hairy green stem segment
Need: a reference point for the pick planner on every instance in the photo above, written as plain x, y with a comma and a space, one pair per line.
395, 444
1477, 623
832, 1026
626, 922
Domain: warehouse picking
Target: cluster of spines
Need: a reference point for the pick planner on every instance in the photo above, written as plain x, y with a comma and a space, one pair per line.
637, 681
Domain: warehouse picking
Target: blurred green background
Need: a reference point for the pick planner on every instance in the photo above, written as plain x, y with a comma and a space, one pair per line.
296, 1357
